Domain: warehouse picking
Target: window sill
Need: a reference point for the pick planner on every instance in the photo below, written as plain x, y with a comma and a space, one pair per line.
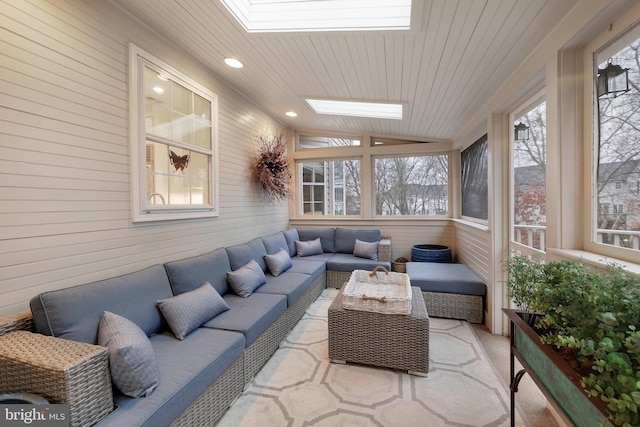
591, 258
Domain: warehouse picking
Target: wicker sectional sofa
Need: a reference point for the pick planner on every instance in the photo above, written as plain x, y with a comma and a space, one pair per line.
52, 351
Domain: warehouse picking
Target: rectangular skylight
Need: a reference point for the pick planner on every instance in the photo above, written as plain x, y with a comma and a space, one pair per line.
357, 108
320, 15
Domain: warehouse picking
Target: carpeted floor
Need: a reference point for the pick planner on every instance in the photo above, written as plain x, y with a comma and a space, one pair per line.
299, 386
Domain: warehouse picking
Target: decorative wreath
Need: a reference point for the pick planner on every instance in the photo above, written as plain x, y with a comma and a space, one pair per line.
270, 167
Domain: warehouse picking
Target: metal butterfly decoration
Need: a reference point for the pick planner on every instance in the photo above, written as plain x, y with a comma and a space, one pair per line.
179, 162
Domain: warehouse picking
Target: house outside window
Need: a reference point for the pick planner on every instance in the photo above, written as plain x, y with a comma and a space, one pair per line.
616, 165
173, 142
330, 187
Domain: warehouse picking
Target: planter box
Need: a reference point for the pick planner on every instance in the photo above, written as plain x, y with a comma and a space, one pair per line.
556, 378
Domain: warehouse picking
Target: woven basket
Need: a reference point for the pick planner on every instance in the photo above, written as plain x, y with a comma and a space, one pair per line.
378, 292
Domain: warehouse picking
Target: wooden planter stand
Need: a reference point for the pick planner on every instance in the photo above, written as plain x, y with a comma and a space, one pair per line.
557, 380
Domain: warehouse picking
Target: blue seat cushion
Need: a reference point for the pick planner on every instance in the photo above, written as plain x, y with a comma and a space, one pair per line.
347, 262
323, 257
292, 285
346, 238
314, 268
447, 278
327, 237
188, 274
187, 368
74, 313
250, 316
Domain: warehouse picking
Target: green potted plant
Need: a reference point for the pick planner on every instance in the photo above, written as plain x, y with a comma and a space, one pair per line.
588, 316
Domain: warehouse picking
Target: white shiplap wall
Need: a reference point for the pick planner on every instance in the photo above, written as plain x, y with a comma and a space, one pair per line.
64, 152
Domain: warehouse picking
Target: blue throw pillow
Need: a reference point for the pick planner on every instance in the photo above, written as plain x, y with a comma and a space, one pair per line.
187, 311
309, 247
246, 279
279, 262
132, 360
368, 250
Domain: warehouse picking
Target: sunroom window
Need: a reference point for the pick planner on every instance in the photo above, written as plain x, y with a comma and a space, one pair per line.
413, 185
173, 142
330, 187
617, 148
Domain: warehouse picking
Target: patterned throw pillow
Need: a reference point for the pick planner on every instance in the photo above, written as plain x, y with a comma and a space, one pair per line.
187, 311
246, 279
132, 360
279, 262
368, 250
309, 247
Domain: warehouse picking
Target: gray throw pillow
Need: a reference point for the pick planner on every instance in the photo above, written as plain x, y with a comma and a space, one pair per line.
279, 262
187, 311
368, 250
309, 247
246, 279
132, 360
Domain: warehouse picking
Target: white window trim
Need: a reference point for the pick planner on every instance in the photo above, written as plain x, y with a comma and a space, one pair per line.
140, 212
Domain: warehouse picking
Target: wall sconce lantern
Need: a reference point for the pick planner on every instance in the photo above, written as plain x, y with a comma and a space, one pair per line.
612, 80
521, 132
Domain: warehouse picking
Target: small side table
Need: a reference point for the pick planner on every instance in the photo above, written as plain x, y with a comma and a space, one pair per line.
395, 341
62, 371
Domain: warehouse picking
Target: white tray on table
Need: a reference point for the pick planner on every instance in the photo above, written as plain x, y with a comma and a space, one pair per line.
378, 291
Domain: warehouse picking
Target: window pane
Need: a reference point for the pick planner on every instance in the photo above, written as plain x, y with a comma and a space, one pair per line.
412, 185
331, 187
308, 141
617, 216
529, 176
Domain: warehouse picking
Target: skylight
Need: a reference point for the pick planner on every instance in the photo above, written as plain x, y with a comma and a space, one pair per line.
357, 108
320, 15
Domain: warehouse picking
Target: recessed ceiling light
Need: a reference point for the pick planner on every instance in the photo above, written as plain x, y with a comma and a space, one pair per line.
158, 90
357, 108
233, 62
320, 15
291, 114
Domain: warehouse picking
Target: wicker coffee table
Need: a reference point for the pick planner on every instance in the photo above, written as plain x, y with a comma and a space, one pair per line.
395, 341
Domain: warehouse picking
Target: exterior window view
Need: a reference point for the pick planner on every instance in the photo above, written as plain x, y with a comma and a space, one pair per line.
618, 154
273, 213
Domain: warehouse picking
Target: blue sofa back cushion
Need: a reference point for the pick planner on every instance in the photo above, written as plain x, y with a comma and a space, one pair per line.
74, 313
346, 238
240, 255
188, 274
327, 237
275, 242
291, 235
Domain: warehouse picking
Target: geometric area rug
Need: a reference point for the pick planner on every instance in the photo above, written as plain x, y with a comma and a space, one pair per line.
298, 386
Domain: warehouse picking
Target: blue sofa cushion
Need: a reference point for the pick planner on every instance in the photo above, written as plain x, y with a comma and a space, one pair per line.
346, 262
251, 316
293, 285
307, 266
189, 310
187, 368
74, 313
326, 235
278, 262
132, 360
190, 273
275, 242
346, 238
291, 235
367, 250
240, 255
308, 247
246, 279
447, 278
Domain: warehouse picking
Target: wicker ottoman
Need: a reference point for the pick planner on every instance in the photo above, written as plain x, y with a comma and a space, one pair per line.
395, 341
61, 371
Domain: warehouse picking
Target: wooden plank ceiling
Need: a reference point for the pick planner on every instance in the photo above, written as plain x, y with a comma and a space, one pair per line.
455, 57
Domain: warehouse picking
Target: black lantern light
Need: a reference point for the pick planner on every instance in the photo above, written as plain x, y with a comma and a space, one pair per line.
521, 132
612, 80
